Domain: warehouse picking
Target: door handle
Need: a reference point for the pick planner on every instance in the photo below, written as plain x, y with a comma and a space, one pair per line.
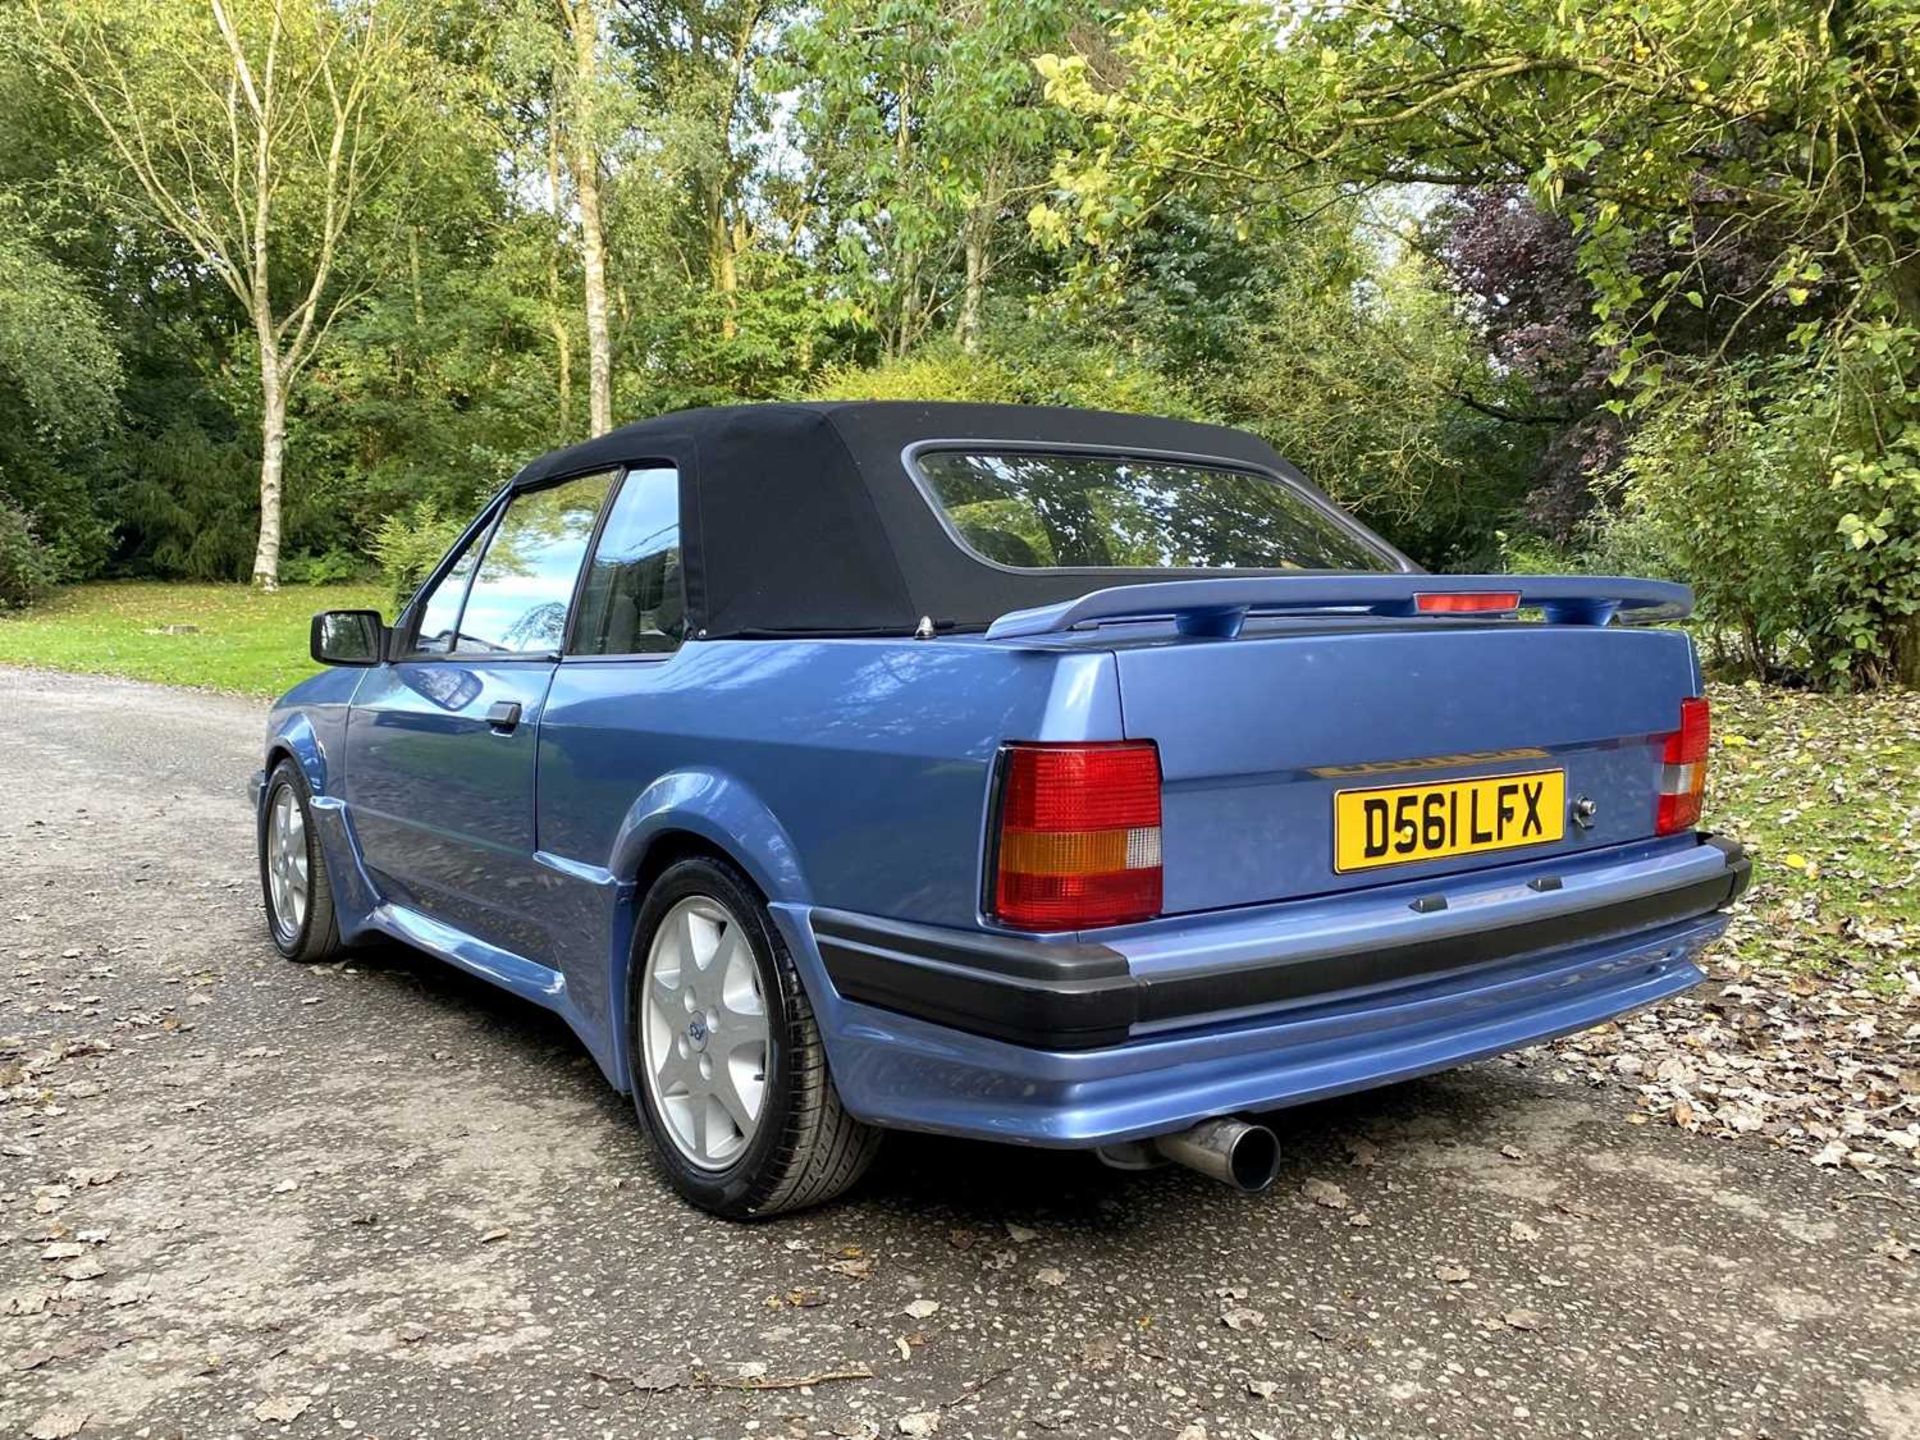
504, 715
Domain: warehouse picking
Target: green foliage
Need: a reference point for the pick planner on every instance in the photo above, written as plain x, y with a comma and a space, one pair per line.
1028, 366
408, 544
1766, 152
27, 571
331, 567
1478, 269
1818, 577
56, 355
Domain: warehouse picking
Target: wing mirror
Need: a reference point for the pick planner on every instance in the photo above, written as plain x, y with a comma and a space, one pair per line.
348, 637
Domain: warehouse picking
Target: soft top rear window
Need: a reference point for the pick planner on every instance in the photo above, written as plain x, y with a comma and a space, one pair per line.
1037, 510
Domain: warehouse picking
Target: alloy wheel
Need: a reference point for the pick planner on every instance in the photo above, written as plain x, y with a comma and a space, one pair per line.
705, 1032
287, 863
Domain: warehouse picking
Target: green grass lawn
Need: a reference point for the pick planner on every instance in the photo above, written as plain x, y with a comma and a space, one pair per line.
244, 640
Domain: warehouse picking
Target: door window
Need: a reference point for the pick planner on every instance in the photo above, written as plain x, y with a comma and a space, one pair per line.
631, 603
440, 614
518, 601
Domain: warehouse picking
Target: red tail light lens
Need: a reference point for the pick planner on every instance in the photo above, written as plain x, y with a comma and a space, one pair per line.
1483, 602
1683, 769
1079, 838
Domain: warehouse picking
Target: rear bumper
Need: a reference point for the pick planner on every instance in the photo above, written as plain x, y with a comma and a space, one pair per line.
1164, 1024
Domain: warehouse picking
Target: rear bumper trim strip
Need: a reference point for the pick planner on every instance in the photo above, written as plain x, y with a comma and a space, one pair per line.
1068, 996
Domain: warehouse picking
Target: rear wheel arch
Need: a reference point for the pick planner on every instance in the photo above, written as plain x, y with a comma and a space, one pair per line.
664, 849
808, 1148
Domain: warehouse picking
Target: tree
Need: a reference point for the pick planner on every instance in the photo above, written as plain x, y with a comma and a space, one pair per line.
258, 132
926, 120
1779, 136
59, 374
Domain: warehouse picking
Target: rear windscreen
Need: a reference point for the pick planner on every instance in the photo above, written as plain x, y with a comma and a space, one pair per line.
1039, 511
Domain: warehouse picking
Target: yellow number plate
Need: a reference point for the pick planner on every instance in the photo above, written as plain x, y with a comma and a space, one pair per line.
1402, 824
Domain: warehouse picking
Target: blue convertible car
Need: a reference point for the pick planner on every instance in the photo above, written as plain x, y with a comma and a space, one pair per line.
1042, 776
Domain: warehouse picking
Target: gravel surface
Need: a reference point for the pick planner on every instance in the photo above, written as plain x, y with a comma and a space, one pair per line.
242, 1198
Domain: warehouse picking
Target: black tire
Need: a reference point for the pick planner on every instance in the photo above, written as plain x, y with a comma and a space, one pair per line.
317, 937
806, 1149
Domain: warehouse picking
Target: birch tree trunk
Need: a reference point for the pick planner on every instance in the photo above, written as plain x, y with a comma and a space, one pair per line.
273, 454
556, 313
584, 21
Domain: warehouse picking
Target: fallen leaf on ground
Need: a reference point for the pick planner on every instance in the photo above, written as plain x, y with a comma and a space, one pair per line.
1524, 1319
1049, 1276
59, 1424
921, 1309
1325, 1192
283, 1408
922, 1422
1451, 1274
1241, 1318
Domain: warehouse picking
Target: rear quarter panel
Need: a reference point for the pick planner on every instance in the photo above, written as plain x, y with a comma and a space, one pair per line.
846, 773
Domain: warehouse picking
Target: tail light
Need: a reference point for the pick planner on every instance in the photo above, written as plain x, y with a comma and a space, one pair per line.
1683, 769
1466, 602
1078, 843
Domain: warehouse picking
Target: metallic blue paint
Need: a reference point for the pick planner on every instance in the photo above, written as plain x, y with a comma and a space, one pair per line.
854, 774
897, 1071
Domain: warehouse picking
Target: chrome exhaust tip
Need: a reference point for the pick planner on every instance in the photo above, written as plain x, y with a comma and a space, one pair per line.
1240, 1154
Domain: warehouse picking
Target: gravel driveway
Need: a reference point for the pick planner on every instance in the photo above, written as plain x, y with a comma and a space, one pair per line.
239, 1197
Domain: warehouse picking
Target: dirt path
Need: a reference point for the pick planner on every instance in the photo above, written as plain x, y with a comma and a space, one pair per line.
386, 1201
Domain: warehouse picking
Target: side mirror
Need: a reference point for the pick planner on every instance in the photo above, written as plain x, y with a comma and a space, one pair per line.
348, 637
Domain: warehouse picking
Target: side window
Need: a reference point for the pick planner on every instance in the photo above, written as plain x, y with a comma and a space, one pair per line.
518, 603
440, 615
631, 603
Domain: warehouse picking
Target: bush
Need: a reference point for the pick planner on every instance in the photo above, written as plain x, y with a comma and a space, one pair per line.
332, 567
408, 544
27, 569
1788, 497
1026, 367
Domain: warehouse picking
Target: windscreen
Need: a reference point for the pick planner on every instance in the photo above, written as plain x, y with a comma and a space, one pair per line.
1039, 511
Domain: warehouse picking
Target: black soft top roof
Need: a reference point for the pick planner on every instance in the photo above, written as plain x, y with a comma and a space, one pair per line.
804, 519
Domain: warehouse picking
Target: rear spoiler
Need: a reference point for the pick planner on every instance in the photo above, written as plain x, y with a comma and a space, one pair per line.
1219, 607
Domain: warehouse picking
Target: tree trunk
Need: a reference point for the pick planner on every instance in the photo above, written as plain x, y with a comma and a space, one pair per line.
563, 355
556, 312
413, 271
979, 220
586, 186
273, 449
726, 275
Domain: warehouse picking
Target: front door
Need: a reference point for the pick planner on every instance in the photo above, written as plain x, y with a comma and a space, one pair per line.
442, 743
